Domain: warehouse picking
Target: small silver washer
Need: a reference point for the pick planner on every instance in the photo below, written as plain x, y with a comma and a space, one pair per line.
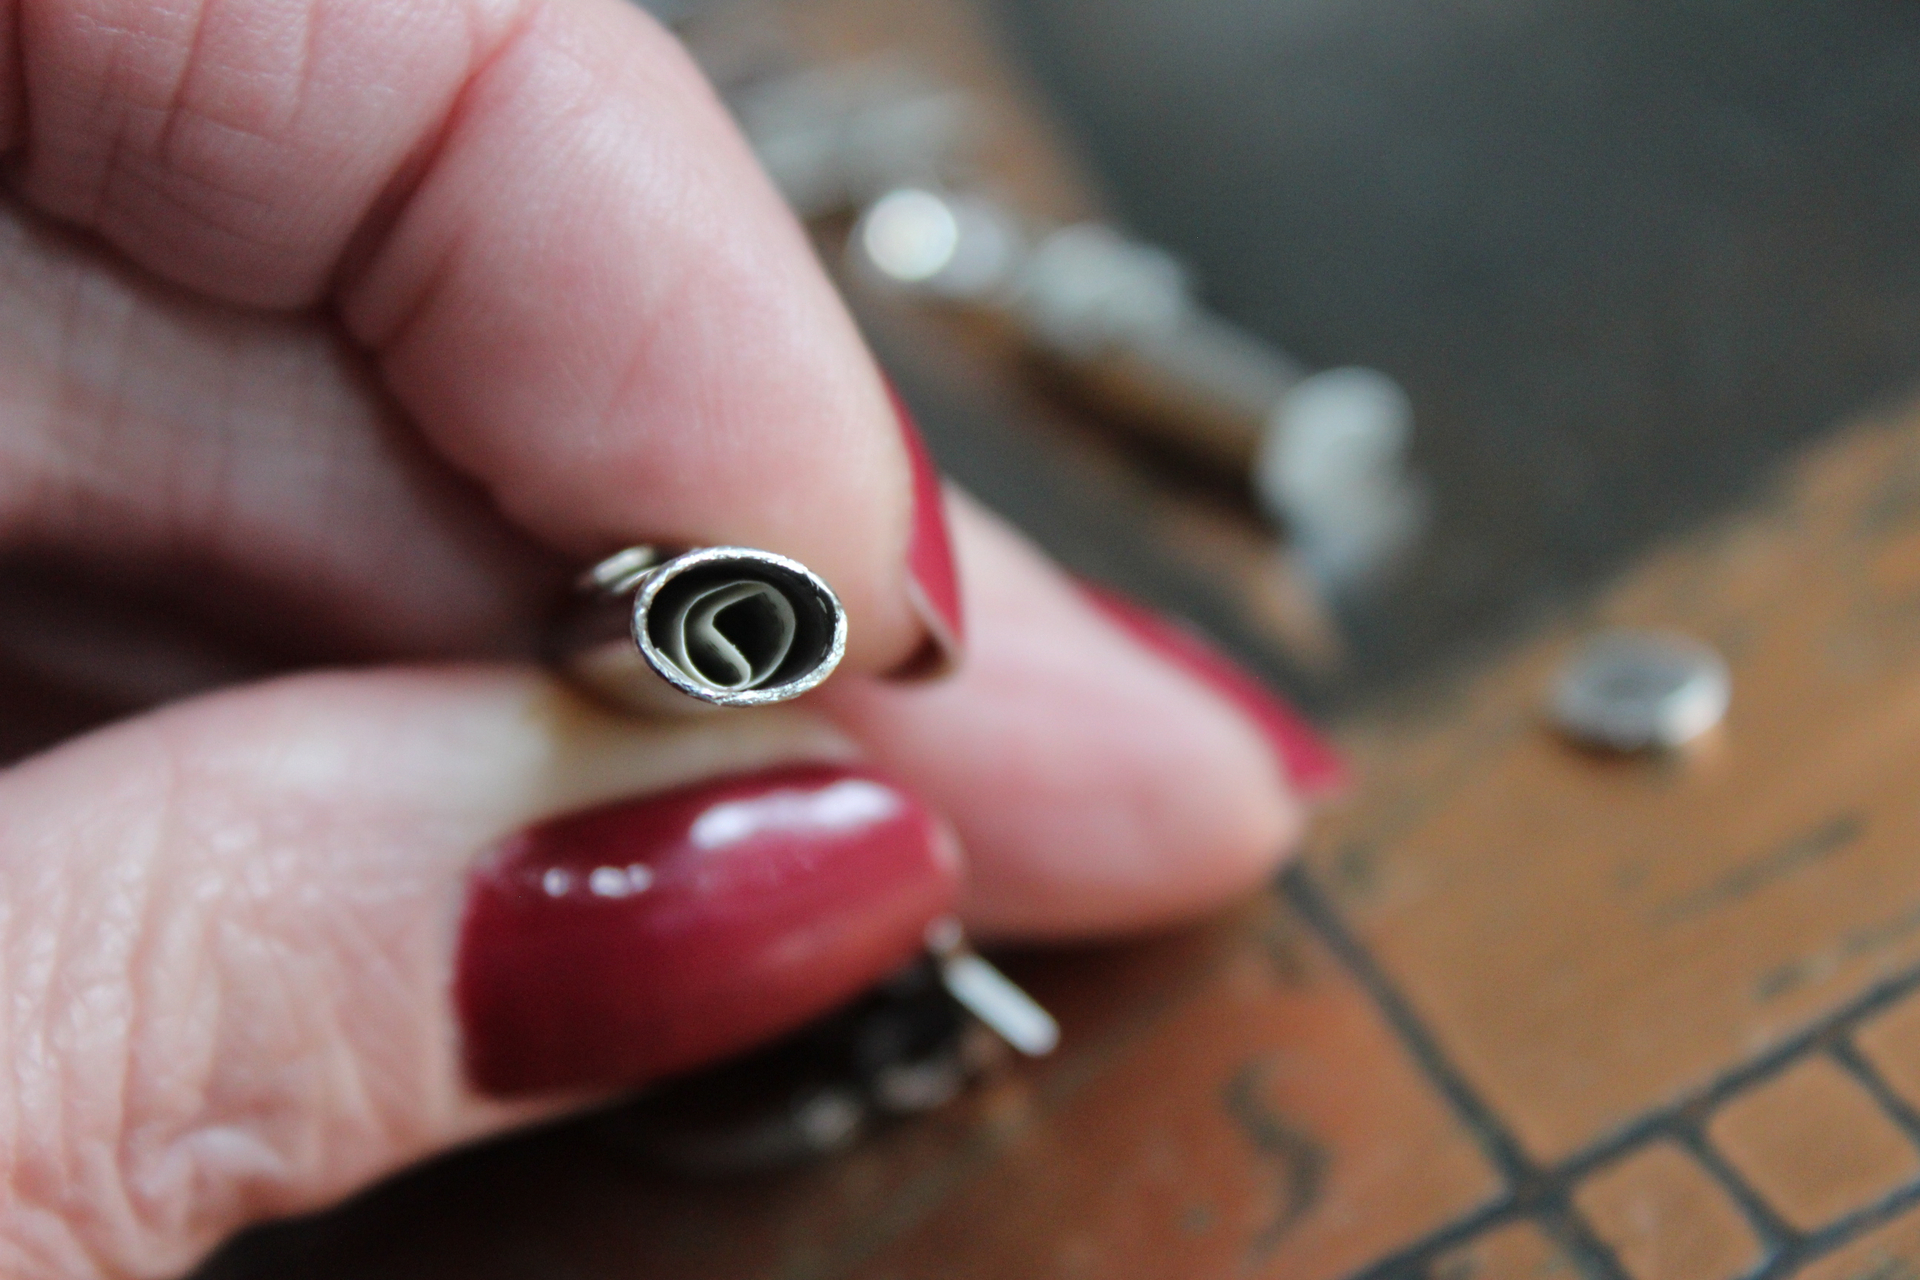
1641, 690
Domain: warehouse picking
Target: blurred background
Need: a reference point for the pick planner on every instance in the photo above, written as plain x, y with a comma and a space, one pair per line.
1618, 257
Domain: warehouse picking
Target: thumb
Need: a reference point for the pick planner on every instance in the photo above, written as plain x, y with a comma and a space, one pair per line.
260, 948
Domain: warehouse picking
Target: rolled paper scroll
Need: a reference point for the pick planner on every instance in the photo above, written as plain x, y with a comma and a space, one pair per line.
720, 626
733, 636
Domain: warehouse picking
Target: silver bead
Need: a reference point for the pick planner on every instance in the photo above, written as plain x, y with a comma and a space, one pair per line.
938, 245
1640, 690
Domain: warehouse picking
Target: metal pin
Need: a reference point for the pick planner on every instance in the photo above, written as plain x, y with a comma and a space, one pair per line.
1327, 453
904, 1048
1122, 319
988, 994
720, 626
1117, 315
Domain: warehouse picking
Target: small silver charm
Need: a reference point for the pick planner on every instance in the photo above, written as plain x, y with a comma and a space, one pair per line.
719, 626
1641, 690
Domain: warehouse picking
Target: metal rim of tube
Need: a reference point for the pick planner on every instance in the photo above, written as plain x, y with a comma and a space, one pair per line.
782, 572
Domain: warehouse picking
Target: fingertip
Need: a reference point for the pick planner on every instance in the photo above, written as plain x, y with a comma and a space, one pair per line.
610, 947
1095, 786
596, 304
1313, 766
248, 907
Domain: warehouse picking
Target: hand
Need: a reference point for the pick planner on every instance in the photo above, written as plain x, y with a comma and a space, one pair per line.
337, 334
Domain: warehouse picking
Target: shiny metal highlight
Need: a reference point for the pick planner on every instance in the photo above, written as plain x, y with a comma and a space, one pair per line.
988, 994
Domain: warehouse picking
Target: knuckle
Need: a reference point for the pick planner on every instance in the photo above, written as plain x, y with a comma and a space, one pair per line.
235, 147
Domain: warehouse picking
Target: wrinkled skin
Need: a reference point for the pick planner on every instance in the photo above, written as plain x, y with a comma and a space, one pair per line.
334, 334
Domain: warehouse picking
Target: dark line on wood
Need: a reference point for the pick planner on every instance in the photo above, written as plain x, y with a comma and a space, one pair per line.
1755, 874
1542, 1193
1492, 1134
1840, 1233
1530, 1191
1706, 1098
1774, 1232
1300, 1158
1856, 1064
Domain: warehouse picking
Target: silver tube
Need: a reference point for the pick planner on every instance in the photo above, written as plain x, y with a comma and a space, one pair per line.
720, 626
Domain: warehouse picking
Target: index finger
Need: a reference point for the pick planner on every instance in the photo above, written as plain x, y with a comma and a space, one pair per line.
543, 227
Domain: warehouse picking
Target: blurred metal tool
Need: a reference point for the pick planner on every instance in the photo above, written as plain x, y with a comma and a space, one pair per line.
719, 626
835, 137
1332, 469
1327, 454
1118, 315
1121, 316
1640, 690
940, 245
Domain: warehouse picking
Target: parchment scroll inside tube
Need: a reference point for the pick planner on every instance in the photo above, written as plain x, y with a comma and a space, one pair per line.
733, 636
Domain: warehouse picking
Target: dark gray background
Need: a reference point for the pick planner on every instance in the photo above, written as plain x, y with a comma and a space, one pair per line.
1623, 255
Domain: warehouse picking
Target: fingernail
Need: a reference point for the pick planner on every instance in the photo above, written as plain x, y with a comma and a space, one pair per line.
1312, 763
933, 581
628, 942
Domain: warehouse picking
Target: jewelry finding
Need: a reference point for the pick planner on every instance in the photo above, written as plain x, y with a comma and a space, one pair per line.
988, 994
1641, 690
911, 1045
719, 626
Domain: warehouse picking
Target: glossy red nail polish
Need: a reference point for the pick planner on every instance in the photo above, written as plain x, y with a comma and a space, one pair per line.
625, 943
933, 579
1312, 764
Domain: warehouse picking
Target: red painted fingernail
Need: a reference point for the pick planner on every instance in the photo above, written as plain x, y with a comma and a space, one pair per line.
933, 579
618, 945
1312, 764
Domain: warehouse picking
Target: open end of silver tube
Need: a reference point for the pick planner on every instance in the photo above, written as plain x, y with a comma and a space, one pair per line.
734, 626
